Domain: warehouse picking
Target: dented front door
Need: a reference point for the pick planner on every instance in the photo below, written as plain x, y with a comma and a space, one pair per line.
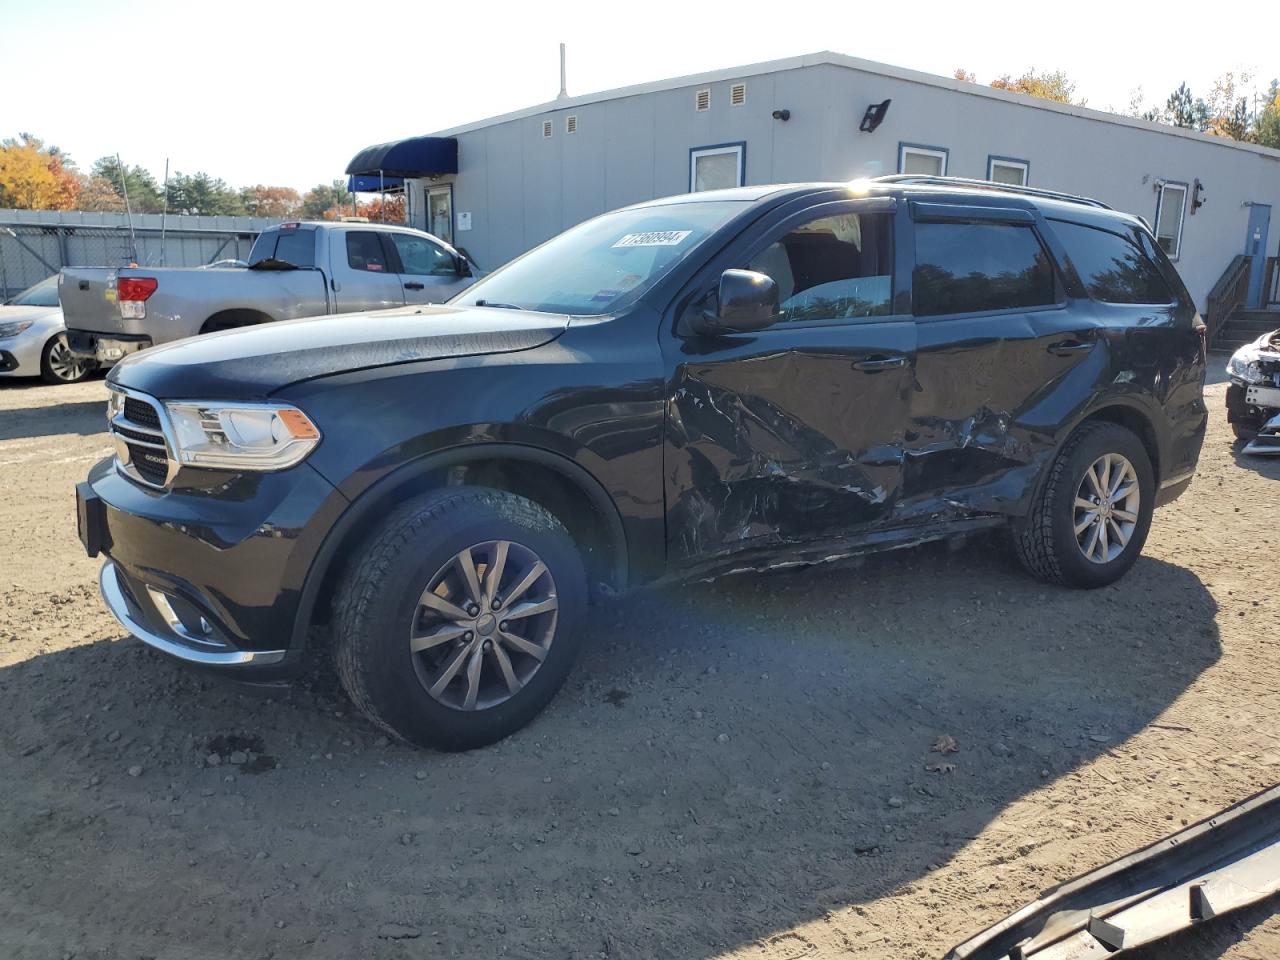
794, 433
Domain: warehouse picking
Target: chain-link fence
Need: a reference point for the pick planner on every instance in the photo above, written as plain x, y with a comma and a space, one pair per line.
38, 245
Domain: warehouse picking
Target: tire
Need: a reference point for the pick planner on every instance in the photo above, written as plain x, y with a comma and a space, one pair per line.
1242, 432
381, 600
57, 365
1045, 540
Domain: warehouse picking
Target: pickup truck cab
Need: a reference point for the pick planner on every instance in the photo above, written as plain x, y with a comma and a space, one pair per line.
301, 269
727, 381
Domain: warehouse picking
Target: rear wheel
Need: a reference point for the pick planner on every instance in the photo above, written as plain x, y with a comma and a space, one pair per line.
459, 622
1242, 432
59, 365
1091, 518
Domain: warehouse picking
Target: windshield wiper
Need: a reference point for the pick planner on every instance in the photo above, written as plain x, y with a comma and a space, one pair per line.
499, 306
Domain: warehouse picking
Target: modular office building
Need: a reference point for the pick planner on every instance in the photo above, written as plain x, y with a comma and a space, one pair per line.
498, 187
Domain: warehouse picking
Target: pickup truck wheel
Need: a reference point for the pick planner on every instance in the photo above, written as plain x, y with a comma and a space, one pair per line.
59, 365
459, 620
1090, 520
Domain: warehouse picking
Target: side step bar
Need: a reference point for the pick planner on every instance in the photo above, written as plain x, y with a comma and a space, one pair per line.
1222, 863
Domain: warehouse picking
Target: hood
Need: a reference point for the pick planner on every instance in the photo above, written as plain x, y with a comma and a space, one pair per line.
253, 362
10, 314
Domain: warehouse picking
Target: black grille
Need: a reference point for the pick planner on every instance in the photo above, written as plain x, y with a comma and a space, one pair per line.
141, 413
152, 465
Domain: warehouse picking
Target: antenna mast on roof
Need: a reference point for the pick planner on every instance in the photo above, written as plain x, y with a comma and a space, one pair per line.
564, 91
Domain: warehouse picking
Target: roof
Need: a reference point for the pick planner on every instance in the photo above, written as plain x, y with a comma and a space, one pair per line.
827, 57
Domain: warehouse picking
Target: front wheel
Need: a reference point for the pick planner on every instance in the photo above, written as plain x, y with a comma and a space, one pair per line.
1090, 520
59, 365
459, 621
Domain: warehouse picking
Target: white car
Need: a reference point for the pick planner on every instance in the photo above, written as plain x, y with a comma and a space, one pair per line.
33, 340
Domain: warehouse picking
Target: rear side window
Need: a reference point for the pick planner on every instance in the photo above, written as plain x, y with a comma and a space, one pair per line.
835, 268
1113, 268
979, 267
364, 252
296, 246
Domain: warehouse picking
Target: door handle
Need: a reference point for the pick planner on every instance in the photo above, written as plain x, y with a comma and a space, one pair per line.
873, 364
1066, 348
413, 286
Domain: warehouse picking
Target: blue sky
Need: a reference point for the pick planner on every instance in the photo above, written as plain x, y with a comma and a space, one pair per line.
284, 92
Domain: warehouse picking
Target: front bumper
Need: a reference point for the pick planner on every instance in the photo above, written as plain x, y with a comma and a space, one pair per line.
1242, 412
20, 355
171, 633
211, 570
105, 348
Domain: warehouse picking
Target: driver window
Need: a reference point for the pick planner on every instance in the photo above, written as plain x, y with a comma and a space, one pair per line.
835, 268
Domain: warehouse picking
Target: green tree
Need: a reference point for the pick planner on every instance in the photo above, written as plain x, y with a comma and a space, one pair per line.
1186, 111
199, 194
145, 196
324, 197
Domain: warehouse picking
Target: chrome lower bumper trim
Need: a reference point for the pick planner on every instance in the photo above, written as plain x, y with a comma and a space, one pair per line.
113, 596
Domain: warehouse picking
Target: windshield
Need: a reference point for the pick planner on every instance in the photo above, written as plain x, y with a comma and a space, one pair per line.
604, 264
43, 294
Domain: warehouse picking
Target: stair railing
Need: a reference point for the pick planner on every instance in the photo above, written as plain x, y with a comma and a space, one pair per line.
1227, 295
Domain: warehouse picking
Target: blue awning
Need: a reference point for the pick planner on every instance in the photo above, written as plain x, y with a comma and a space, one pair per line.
415, 157
372, 183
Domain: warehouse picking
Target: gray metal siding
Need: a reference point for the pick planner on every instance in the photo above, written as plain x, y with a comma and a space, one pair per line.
522, 189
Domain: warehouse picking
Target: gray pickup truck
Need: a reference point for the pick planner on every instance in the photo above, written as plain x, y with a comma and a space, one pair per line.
294, 270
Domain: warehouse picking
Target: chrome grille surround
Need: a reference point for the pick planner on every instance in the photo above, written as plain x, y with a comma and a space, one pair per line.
144, 451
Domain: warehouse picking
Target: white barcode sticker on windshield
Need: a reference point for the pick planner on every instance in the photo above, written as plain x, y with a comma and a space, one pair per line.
654, 238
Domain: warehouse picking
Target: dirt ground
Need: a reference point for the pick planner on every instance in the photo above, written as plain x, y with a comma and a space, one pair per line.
739, 769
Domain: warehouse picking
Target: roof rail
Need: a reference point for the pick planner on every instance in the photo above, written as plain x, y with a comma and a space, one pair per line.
925, 180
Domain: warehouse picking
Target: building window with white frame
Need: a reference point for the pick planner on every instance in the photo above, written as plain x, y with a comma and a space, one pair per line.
1008, 170
1171, 202
717, 167
921, 160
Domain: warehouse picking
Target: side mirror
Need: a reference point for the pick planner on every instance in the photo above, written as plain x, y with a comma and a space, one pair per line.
747, 301
461, 266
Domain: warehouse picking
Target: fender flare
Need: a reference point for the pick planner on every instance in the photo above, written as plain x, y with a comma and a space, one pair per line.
367, 500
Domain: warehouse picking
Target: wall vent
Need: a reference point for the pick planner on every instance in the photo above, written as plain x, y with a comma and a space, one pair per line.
737, 94
546, 129
571, 123
702, 100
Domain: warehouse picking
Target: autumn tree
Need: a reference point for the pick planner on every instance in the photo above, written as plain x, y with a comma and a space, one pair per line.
98, 195
1054, 85
324, 197
278, 202
1266, 126
36, 177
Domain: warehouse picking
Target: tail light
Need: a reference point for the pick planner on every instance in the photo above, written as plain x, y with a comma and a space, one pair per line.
132, 294
136, 288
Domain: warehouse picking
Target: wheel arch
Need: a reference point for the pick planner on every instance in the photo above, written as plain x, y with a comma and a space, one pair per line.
553, 481
1134, 419
234, 317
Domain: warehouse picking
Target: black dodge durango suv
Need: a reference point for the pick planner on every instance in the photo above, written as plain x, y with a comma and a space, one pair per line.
726, 381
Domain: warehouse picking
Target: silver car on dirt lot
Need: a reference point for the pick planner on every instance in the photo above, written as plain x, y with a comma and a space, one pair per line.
33, 339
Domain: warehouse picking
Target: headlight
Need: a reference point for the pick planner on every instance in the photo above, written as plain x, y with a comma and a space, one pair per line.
1244, 365
241, 436
14, 327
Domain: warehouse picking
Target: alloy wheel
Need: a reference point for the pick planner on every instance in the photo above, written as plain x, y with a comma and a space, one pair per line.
64, 364
484, 625
1106, 508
